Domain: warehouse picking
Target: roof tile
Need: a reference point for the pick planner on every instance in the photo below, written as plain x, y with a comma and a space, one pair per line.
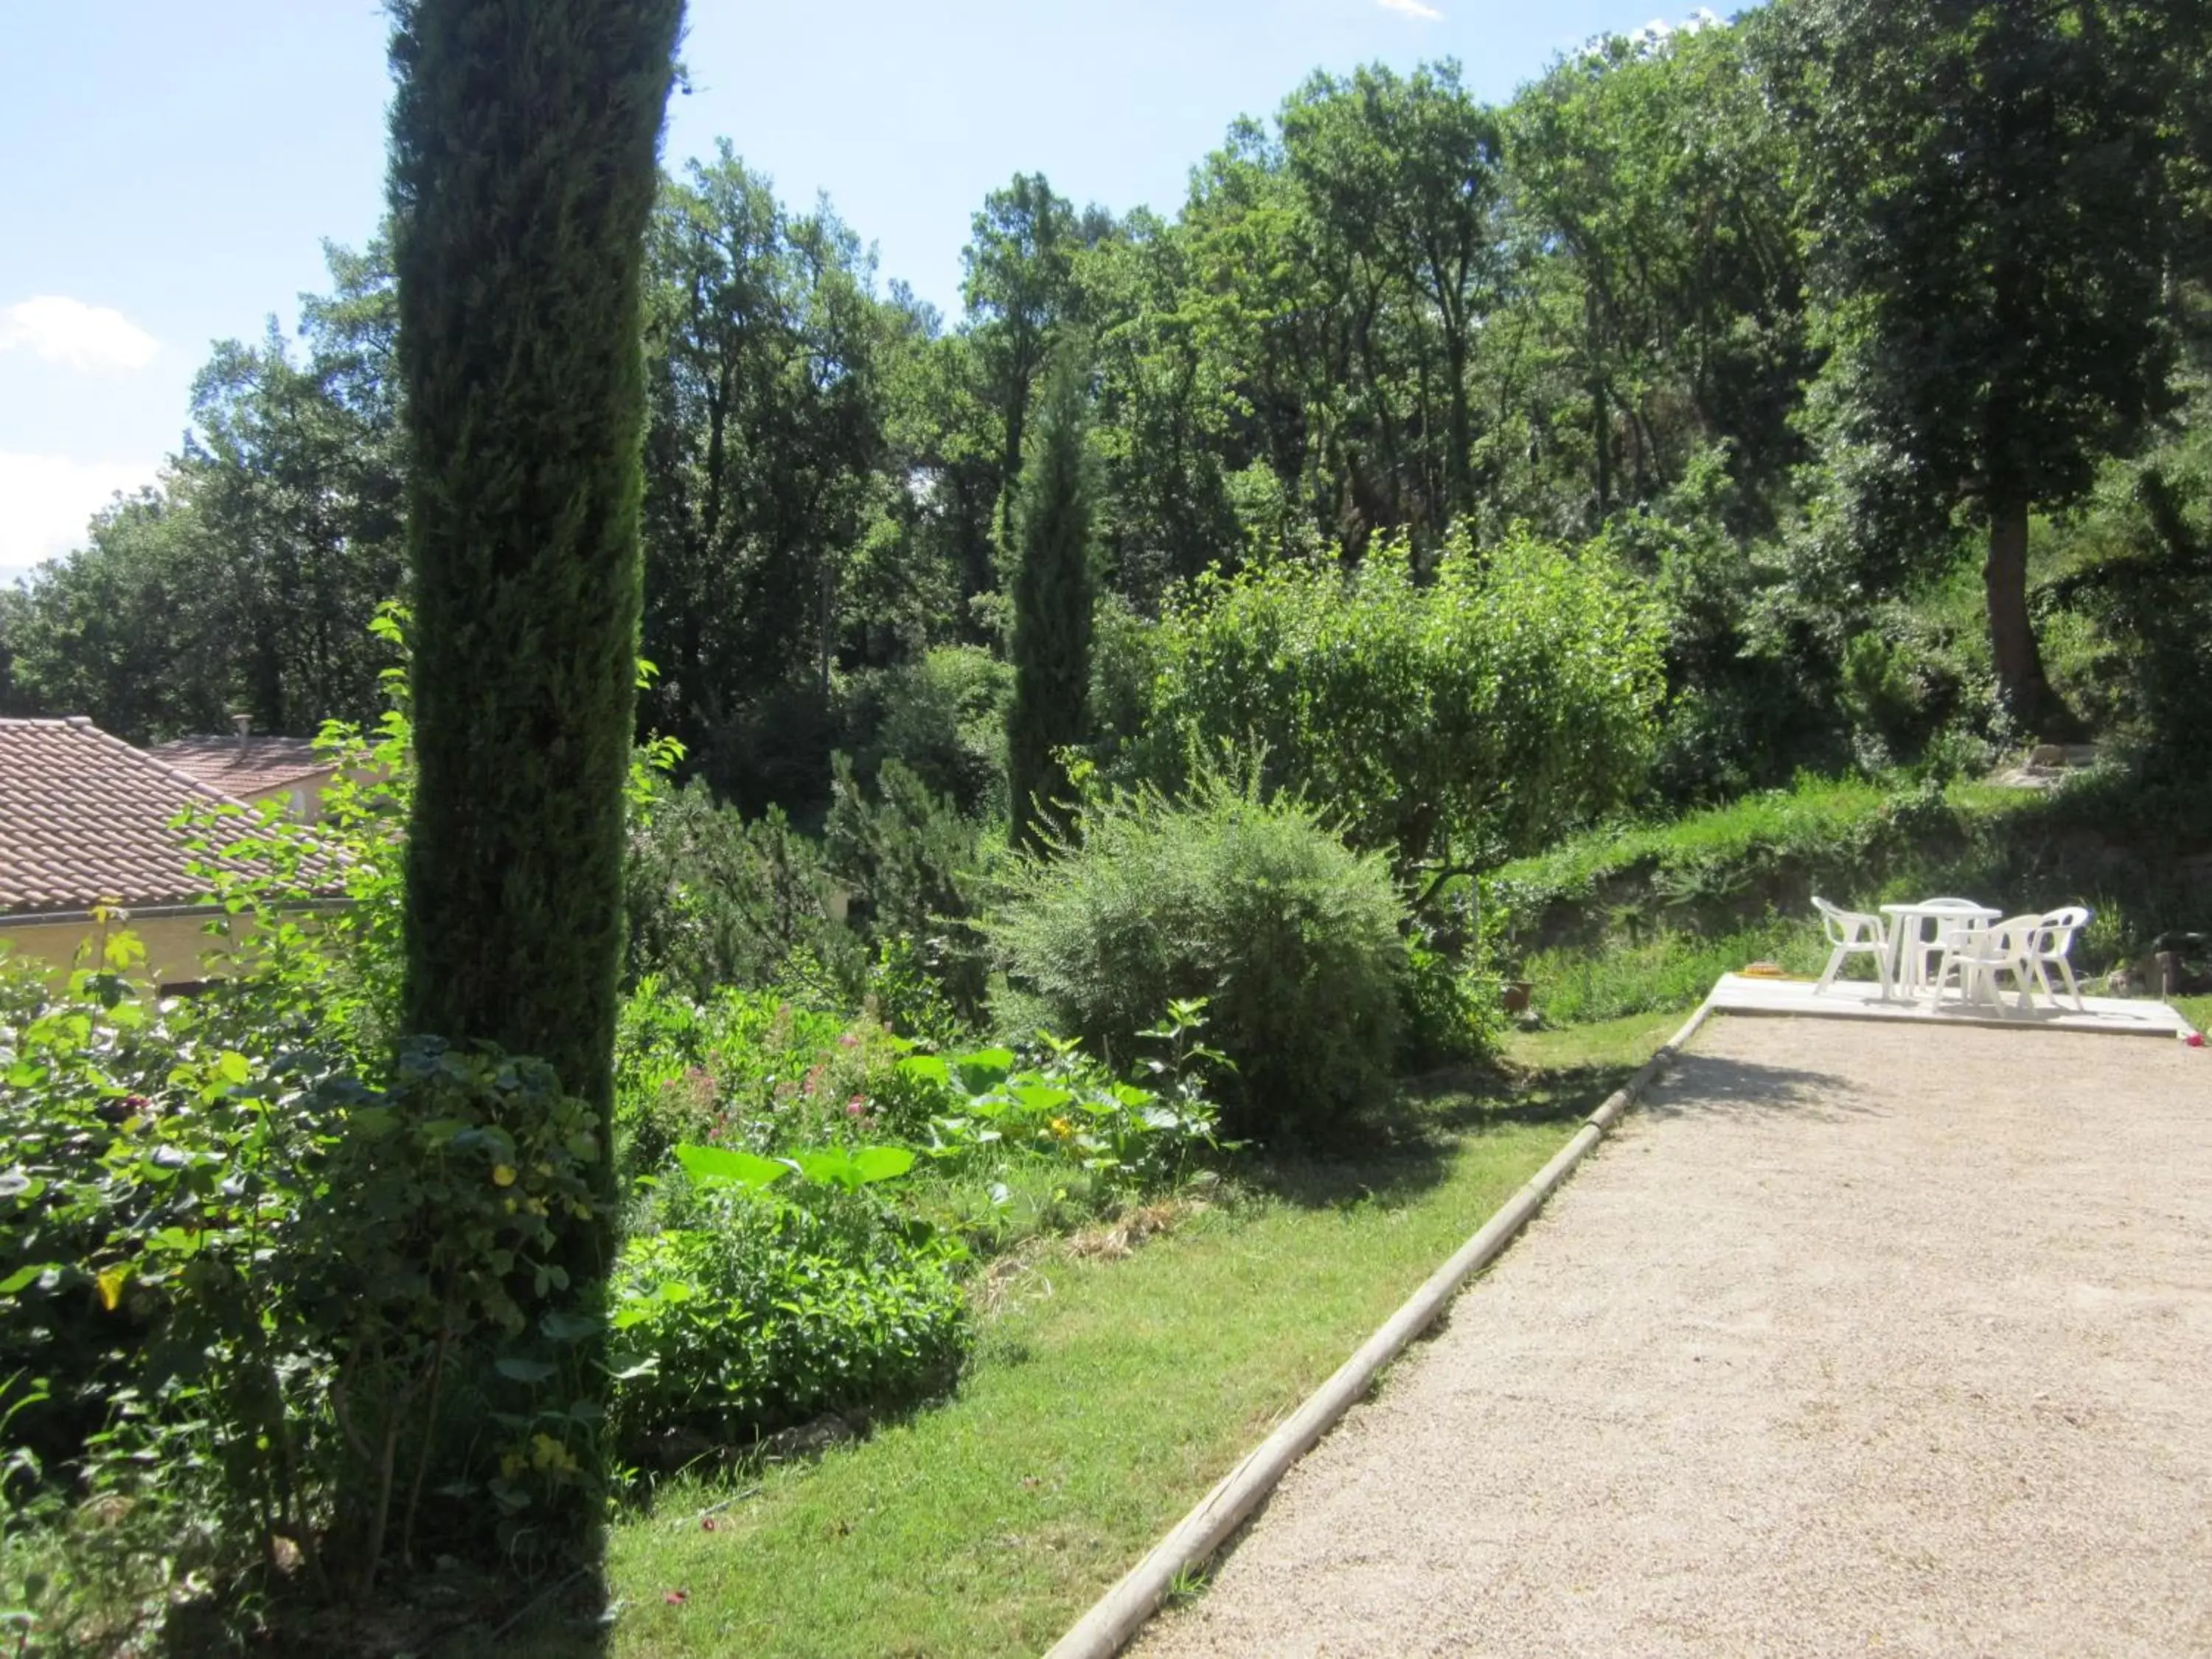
85, 818
244, 766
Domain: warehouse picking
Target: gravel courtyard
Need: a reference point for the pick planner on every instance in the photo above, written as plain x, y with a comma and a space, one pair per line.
1853, 1338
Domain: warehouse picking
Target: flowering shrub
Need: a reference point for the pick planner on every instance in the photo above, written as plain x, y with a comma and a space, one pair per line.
743, 1068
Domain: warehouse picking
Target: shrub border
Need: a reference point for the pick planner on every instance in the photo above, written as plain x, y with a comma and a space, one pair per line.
1123, 1611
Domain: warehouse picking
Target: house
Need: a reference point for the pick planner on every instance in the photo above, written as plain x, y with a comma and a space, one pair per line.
257, 769
87, 828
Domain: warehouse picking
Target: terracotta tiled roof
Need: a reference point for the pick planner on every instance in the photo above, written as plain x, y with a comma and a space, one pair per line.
244, 767
84, 817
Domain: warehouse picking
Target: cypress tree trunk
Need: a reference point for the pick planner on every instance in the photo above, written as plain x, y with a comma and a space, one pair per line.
1053, 597
525, 137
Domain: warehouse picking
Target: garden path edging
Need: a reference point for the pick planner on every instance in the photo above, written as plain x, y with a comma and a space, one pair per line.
1123, 1611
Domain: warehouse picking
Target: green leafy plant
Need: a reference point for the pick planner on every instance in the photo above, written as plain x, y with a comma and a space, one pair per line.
1068, 1106
774, 1290
1248, 901
254, 1284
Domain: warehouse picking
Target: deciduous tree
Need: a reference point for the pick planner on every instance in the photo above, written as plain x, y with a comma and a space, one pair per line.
1988, 196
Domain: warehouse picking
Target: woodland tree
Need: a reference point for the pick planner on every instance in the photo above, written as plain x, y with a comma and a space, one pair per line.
1988, 194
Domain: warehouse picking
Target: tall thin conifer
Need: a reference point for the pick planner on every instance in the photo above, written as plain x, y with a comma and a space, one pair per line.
525, 158
1054, 589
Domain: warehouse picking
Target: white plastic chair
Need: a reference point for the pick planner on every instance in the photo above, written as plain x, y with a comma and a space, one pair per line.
2053, 938
1852, 933
1984, 956
1916, 951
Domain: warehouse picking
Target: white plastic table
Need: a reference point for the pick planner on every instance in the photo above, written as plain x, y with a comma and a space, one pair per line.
1909, 936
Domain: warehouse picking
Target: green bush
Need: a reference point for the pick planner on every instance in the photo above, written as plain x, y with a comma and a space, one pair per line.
1450, 720
717, 899
1294, 940
746, 1312
1450, 1006
943, 717
912, 864
258, 1292
982, 1109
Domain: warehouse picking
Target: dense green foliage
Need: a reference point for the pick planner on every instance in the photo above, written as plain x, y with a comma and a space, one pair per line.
1053, 601
714, 898
242, 1281
1478, 713
523, 173
2043, 265
743, 1312
1231, 895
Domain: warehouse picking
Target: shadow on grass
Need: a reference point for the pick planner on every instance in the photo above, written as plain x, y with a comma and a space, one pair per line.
457, 1613
1395, 1156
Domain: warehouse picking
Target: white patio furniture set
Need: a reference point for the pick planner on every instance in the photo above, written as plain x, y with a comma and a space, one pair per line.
1920, 951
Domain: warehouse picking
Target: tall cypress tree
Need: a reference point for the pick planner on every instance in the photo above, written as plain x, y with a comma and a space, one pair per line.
526, 138
1054, 591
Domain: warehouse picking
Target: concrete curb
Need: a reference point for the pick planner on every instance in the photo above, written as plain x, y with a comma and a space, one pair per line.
1123, 1611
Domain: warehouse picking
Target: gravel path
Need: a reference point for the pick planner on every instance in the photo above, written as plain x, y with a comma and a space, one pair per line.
1854, 1339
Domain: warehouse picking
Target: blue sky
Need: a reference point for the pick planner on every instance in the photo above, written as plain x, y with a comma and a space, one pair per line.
168, 171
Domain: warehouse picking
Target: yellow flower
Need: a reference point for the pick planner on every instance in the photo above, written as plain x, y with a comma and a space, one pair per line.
501, 1176
547, 1453
1061, 1128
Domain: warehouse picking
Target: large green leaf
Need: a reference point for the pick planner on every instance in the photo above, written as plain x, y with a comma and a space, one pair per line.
874, 1163
833, 1166
721, 1166
986, 1068
1041, 1097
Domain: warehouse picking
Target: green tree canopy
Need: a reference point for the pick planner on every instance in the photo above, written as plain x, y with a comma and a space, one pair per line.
1988, 195
1452, 723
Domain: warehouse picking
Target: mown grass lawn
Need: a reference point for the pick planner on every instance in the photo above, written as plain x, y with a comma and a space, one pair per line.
1107, 1395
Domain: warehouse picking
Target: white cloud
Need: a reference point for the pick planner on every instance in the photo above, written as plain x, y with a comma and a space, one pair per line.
88, 338
1659, 29
1412, 9
46, 501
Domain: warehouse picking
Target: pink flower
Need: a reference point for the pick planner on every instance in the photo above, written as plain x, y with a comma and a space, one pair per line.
856, 1107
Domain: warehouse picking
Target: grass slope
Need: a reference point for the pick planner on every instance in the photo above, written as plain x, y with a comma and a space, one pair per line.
1106, 1397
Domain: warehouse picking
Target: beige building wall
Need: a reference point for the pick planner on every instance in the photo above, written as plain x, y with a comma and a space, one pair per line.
179, 949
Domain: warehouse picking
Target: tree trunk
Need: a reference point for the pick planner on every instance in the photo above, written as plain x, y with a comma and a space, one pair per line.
2025, 694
